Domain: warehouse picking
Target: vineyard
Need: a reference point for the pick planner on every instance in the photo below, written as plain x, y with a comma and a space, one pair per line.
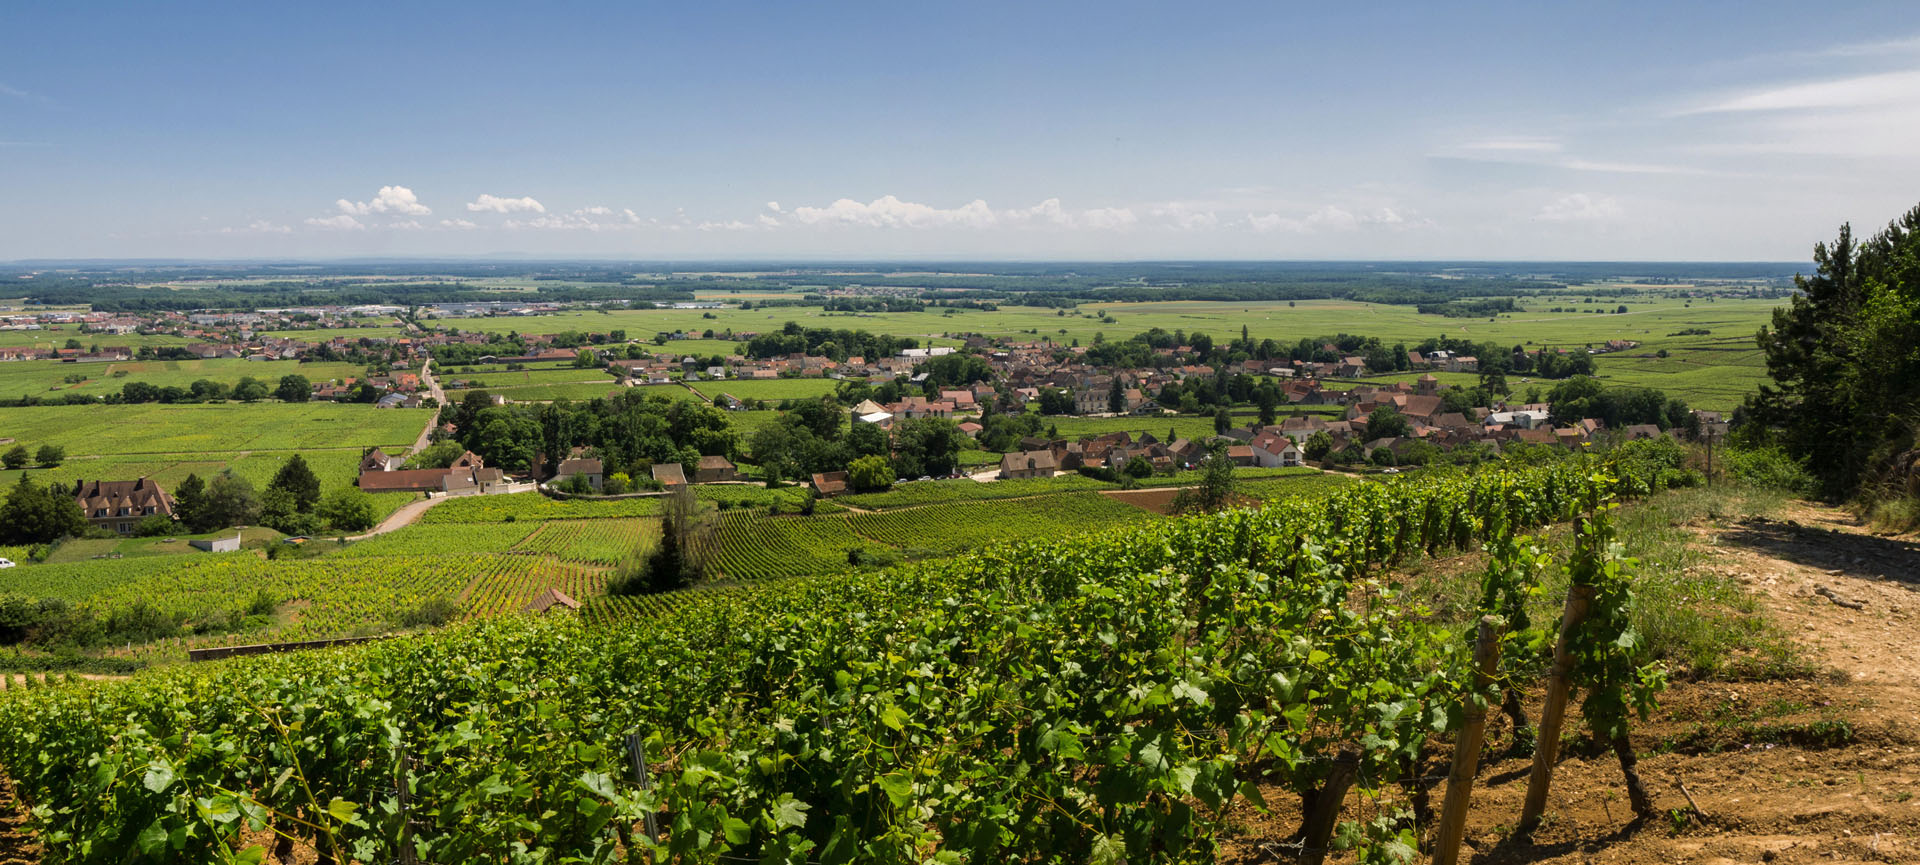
971, 526
944, 491
744, 546
521, 507
600, 542
1105, 700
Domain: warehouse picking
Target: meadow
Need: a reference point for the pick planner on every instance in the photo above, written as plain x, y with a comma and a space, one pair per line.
56, 337
1710, 371
213, 428
769, 389
41, 378
327, 334
169, 442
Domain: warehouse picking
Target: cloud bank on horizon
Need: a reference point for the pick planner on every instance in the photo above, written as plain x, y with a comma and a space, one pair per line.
1751, 144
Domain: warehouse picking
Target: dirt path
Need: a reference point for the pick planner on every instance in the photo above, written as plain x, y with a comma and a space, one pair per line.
400, 519
1818, 770
17, 846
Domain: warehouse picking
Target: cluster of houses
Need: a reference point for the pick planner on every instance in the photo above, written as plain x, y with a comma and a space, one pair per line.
591, 470
1040, 458
381, 472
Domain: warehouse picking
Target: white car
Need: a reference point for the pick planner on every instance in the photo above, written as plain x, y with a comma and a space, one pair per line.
6, 563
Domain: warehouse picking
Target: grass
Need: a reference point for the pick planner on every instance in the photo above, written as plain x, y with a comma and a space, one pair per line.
1898, 514
771, 390
576, 391
1702, 624
963, 490
43, 378
215, 428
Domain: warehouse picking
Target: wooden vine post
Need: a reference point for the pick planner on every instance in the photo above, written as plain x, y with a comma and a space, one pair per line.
637, 761
1553, 716
1466, 748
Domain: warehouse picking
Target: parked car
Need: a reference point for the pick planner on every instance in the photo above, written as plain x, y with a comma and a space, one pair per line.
6, 563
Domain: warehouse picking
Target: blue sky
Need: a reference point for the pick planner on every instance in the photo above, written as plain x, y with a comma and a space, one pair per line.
1113, 130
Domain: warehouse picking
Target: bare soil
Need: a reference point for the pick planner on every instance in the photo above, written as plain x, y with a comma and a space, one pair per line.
1819, 770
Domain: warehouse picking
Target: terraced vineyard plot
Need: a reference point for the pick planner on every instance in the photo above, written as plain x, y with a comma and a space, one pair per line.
77, 581
443, 539
749, 547
218, 428
943, 491
1276, 489
518, 507
512, 581
971, 525
627, 609
599, 542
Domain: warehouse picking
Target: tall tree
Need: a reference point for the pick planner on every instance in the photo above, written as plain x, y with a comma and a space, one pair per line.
230, 501
297, 479
293, 388
1846, 377
33, 514
1116, 398
189, 504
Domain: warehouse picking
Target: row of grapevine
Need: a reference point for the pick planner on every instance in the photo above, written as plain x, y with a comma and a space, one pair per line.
744, 546
972, 525
600, 542
1103, 700
509, 582
522, 507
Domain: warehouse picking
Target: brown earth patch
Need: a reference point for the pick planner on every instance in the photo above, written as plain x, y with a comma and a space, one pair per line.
1818, 770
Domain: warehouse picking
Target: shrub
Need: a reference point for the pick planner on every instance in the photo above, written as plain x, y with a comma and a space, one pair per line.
154, 526
1767, 467
433, 611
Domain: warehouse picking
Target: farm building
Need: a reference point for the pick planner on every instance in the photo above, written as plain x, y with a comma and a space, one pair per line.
119, 505
670, 475
714, 470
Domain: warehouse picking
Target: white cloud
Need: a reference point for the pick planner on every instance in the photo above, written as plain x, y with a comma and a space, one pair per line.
890, 212
1521, 144
730, 225
495, 204
15, 92
1884, 88
406, 225
340, 222
1579, 207
1108, 217
1187, 218
1331, 217
258, 226
462, 224
397, 200
596, 210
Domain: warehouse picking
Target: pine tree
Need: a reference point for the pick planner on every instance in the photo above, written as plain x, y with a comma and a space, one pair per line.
299, 481
189, 503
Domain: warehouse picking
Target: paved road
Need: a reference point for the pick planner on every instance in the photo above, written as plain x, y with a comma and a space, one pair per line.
439, 397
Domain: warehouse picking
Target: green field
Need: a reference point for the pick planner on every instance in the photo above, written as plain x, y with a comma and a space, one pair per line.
545, 392
771, 389
1707, 371
169, 442
57, 338
519, 378
327, 334
43, 378
218, 428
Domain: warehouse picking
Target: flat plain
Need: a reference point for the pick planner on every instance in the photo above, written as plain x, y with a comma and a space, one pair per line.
1710, 371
